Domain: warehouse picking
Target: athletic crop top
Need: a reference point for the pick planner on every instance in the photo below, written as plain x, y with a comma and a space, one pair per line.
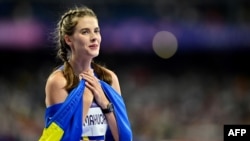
95, 125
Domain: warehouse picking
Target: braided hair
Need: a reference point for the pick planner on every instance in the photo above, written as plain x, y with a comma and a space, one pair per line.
66, 26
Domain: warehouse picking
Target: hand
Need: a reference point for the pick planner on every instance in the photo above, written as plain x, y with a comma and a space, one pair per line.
93, 84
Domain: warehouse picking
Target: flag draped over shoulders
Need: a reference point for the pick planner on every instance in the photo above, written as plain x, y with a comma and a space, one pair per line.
123, 124
63, 121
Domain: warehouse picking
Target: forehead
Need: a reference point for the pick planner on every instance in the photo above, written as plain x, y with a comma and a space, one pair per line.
87, 22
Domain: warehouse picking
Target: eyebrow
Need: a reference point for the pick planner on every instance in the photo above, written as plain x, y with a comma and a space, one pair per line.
89, 28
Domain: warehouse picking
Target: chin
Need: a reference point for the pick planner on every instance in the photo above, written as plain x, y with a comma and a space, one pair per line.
95, 54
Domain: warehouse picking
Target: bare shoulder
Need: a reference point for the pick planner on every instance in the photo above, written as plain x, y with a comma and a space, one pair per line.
115, 80
54, 89
56, 79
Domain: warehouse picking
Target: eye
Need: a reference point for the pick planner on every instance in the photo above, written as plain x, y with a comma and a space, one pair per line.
84, 31
97, 30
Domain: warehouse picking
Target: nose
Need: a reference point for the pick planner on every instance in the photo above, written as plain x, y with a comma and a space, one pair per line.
93, 37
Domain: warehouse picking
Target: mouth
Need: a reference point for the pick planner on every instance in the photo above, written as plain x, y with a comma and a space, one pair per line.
93, 45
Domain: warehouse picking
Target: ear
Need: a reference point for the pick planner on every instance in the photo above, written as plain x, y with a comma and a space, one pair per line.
68, 40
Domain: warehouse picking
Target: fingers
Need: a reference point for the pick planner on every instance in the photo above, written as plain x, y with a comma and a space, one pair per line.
92, 83
89, 76
92, 88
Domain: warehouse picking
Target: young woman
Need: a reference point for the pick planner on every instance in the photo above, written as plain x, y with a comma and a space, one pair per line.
100, 114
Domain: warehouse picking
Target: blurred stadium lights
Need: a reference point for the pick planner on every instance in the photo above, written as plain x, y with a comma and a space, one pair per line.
131, 25
20, 35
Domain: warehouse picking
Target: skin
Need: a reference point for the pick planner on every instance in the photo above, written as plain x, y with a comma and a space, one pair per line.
85, 45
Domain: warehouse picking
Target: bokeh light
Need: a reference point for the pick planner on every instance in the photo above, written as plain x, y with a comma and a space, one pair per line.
165, 44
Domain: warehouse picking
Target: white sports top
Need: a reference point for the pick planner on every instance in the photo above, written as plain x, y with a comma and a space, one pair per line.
95, 124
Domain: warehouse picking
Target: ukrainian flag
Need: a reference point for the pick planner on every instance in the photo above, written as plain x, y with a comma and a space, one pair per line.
63, 121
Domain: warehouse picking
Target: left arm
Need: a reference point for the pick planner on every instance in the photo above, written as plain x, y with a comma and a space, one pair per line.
93, 84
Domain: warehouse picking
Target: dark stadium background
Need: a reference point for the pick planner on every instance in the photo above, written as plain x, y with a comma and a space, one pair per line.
187, 97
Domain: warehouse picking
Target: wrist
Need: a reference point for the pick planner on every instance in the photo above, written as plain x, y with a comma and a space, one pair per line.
108, 108
104, 105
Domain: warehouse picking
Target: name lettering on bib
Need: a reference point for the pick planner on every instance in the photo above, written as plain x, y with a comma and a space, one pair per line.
94, 119
95, 123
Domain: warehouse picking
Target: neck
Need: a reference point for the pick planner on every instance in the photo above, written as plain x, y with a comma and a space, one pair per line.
80, 66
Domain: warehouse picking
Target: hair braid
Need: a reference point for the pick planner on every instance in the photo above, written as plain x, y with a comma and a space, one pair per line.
66, 26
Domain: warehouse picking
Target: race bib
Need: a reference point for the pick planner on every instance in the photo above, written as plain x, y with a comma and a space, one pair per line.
95, 122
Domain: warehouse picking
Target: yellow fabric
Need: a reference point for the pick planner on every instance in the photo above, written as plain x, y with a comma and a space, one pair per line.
85, 139
52, 133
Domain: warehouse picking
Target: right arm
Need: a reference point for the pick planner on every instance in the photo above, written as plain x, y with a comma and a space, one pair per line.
56, 93
54, 89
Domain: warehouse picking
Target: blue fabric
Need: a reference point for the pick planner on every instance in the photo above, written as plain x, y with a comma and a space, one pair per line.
69, 114
123, 124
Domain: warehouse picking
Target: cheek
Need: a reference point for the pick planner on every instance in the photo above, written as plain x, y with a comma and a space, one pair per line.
100, 38
82, 41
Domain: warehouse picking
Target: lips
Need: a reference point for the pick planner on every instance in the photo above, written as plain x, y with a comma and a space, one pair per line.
93, 46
